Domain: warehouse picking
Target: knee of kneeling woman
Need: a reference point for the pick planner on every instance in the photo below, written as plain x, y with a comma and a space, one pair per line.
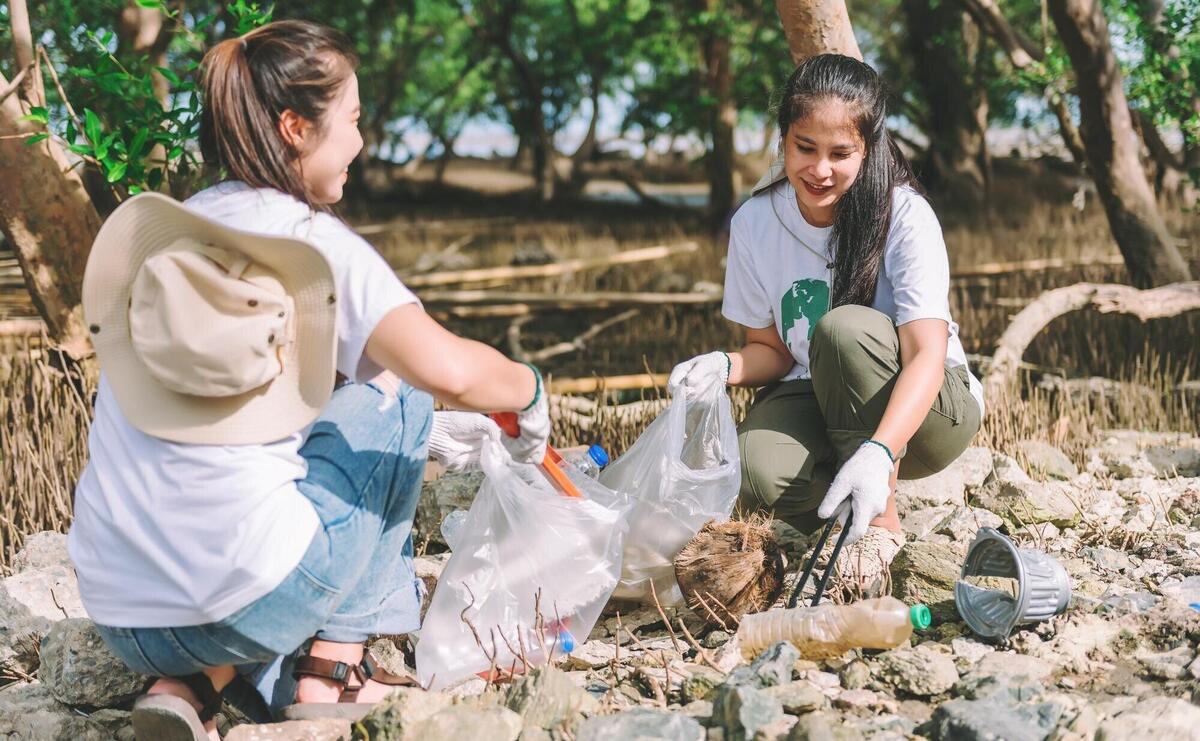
841, 332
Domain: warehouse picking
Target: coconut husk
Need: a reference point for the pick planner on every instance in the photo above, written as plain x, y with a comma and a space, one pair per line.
730, 569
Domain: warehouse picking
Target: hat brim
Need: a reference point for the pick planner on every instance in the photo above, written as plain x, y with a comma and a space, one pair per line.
149, 222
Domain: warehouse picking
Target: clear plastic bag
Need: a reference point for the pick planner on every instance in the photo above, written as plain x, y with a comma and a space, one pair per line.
530, 573
682, 472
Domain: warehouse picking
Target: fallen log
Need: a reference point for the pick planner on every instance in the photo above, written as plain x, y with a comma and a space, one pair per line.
449, 300
608, 383
513, 272
1106, 298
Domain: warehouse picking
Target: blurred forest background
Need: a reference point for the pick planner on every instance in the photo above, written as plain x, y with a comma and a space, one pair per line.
554, 177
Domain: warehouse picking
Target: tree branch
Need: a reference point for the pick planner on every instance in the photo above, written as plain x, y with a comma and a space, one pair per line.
987, 15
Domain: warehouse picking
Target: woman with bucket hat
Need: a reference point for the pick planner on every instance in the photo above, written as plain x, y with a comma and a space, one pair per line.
838, 273
244, 512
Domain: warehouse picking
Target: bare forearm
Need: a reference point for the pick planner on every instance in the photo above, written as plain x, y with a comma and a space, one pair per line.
461, 373
912, 397
757, 364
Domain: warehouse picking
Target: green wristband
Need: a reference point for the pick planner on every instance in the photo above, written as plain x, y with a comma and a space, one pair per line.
537, 393
886, 449
728, 365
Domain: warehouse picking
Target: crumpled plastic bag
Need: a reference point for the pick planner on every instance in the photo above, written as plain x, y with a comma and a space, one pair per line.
530, 572
682, 472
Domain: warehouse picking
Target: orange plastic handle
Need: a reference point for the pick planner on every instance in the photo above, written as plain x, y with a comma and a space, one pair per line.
551, 465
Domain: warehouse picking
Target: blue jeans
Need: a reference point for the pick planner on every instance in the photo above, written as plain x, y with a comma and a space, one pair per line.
366, 454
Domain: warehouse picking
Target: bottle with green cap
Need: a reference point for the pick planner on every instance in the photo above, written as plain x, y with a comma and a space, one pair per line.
830, 630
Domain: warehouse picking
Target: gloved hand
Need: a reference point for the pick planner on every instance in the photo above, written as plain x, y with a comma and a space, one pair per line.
697, 373
863, 480
534, 423
457, 437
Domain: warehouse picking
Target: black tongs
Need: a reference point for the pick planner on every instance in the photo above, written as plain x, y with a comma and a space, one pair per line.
812, 562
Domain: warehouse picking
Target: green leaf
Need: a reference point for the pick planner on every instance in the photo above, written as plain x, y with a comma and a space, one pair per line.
36, 138
139, 142
153, 4
168, 73
155, 178
92, 128
37, 114
71, 133
135, 189
116, 172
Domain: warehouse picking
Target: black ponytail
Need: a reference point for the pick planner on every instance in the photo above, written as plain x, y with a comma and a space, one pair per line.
863, 215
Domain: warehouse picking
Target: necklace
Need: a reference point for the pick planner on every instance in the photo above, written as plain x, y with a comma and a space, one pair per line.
826, 257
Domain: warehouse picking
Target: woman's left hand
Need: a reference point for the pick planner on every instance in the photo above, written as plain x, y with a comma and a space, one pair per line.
457, 437
864, 480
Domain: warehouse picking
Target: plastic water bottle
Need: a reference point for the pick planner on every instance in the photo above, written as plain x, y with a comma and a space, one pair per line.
830, 630
589, 462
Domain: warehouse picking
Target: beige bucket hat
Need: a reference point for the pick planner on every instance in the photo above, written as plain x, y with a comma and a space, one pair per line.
207, 334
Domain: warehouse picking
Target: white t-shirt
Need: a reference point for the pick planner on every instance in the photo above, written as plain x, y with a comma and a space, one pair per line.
771, 279
169, 534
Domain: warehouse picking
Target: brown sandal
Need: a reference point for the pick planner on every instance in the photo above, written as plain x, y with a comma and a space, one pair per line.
164, 717
339, 671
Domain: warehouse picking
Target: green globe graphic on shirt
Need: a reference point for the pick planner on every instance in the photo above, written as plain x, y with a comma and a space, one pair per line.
808, 298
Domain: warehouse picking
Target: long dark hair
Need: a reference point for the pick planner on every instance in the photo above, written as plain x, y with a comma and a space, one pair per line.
251, 80
863, 215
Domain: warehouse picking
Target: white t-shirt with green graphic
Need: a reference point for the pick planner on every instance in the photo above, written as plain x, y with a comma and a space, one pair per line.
771, 279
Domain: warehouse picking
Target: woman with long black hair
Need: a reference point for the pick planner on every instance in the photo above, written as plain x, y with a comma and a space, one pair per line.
838, 272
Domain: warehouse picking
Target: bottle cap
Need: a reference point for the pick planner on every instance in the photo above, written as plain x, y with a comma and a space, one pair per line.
919, 616
599, 455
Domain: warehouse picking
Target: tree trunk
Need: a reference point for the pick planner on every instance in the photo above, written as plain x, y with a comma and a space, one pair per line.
812, 27
718, 79
817, 27
944, 44
50, 222
31, 88
1112, 147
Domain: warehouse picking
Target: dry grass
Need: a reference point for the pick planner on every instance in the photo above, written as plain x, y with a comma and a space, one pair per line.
45, 422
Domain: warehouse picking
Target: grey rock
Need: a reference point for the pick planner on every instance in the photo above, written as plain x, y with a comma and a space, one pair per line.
592, 655
641, 724
1108, 559
774, 665
700, 683
947, 486
917, 672
777, 731
999, 688
1006, 470
699, 709
466, 722
1186, 591
21, 633
397, 716
1010, 664
715, 639
856, 675
1029, 502
1156, 717
976, 464
320, 729
79, 669
962, 523
42, 550
921, 522
926, 573
445, 494
823, 727
988, 720
547, 698
1046, 460
1129, 454
51, 592
30, 711
739, 710
1168, 665
799, 697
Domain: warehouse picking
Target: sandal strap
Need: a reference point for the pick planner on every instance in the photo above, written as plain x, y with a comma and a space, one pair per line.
315, 666
372, 670
210, 698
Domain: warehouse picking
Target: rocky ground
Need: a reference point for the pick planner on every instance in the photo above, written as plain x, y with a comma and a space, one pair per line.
1120, 663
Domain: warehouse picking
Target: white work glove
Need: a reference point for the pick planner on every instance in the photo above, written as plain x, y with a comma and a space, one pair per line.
457, 437
864, 481
534, 423
696, 374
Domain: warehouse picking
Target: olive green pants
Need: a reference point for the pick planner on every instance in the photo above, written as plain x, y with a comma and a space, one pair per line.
797, 433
